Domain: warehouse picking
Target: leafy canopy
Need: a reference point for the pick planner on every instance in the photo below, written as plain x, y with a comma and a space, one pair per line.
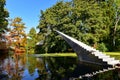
91, 22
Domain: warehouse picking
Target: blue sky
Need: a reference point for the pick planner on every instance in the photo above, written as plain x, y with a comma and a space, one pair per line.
28, 10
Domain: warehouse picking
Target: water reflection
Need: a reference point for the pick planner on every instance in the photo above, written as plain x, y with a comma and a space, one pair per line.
17, 67
12, 67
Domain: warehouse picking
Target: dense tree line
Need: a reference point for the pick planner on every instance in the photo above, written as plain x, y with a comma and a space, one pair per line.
94, 22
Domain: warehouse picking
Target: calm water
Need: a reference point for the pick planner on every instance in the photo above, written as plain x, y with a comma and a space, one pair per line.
49, 68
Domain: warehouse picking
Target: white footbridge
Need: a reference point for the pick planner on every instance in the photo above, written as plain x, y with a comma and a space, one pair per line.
90, 55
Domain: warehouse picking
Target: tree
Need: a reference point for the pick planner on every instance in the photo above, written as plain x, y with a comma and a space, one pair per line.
114, 29
54, 18
33, 39
3, 17
88, 21
18, 34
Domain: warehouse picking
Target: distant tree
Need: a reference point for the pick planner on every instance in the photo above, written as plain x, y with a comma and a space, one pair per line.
32, 32
32, 40
17, 32
3, 15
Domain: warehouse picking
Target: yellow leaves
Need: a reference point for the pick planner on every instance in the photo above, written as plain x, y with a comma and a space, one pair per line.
17, 29
17, 19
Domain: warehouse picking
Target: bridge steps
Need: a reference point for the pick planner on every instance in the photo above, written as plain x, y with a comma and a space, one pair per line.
83, 50
100, 55
106, 58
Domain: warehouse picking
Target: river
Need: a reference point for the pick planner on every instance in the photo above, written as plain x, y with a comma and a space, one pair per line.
22, 67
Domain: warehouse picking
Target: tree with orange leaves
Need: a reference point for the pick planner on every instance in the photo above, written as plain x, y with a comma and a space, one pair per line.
18, 34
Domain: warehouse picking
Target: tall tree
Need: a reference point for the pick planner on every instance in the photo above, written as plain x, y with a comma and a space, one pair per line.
17, 32
3, 15
115, 19
56, 17
116, 30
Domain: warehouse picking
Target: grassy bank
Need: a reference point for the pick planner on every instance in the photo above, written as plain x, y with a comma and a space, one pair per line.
116, 55
56, 55
113, 53
70, 54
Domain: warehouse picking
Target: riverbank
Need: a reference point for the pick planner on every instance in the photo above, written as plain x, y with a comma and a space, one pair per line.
69, 54
112, 53
55, 55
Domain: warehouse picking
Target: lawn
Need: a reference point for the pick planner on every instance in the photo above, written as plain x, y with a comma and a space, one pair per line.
56, 55
113, 53
71, 54
116, 55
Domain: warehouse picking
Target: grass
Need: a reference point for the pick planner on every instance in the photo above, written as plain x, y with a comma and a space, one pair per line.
56, 55
113, 53
116, 55
70, 54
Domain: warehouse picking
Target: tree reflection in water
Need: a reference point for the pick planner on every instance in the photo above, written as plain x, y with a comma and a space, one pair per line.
66, 68
48, 68
13, 67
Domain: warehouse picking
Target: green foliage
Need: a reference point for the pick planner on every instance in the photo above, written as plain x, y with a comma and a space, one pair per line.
3, 15
32, 32
117, 2
32, 40
113, 36
102, 47
50, 19
88, 21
